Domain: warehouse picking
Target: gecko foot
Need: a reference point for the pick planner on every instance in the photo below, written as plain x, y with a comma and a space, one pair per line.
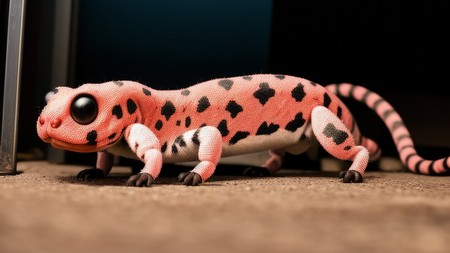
88, 174
351, 176
190, 178
254, 171
140, 179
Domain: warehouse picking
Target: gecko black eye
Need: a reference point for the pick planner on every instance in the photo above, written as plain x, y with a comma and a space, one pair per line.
84, 109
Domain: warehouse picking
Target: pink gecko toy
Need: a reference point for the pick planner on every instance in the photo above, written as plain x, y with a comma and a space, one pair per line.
218, 118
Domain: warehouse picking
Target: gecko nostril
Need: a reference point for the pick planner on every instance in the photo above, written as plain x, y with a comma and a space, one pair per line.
41, 120
55, 123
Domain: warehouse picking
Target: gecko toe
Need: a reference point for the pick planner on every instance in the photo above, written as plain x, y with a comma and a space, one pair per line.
89, 174
190, 178
140, 179
182, 176
351, 176
254, 171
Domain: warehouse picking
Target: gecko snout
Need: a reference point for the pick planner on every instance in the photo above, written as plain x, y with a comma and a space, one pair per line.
55, 123
41, 120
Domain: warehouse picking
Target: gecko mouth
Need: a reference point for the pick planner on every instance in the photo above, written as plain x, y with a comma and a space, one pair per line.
81, 148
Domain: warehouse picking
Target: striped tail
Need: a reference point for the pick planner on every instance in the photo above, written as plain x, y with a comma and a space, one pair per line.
397, 128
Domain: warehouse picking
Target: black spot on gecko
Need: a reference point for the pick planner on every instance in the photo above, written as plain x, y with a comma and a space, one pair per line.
248, 78
131, 106
339, 112
337, 135
185, 92
239, 135
233, 108
203, 104
91, 137
158, 125
303, 137
298, 93
401, 137
445, 163
118, 83
223, 128
112, 136
409, 157
195, 139
431, 168
326, 100
174, 149
388, 113
264, 93
187, 122
365, 96
168, 110
281, 77
147, 92
265, 129
417, 166
377, 103
313, 83
347, 147
296, 123
178, 122
226, 84
396, 125
117, 111
164, 147
180, 141
351, 92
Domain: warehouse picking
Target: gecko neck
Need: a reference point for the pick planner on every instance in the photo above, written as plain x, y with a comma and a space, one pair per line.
153, 106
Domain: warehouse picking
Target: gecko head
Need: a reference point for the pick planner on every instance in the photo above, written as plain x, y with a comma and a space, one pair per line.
89, 118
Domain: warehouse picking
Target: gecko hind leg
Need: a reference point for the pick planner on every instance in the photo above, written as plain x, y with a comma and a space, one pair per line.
269, 167
337, 140
277, 157
372, 147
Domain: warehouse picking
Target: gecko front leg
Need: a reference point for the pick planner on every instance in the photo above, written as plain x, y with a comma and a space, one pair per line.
209, 141
144, 143
102, 167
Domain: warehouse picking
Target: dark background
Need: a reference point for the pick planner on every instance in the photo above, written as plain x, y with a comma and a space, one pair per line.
398, 49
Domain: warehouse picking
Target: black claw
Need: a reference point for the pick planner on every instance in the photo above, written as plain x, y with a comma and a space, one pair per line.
182, 176
190, 178
89, 174
351, 176
358, 177
132, 180
197, 180
140, 179
256, 172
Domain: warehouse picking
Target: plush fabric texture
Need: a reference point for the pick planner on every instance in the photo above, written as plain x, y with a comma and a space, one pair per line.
221, 117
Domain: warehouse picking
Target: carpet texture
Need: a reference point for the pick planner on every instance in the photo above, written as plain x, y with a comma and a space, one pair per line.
45, 209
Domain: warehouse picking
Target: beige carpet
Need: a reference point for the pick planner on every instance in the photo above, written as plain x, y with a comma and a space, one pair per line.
44, 209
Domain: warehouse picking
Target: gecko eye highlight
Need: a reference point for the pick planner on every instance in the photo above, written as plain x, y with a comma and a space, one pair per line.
84, 109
